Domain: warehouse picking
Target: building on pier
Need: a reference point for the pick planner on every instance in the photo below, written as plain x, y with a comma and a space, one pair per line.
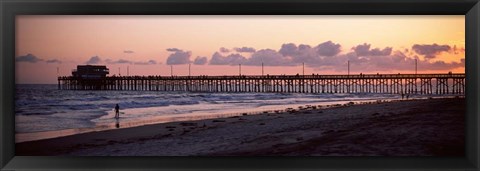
90, 72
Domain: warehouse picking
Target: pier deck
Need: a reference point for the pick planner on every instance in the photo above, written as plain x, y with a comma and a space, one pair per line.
363, 83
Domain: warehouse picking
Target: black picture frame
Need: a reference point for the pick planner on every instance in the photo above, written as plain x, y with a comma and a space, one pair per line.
10, 8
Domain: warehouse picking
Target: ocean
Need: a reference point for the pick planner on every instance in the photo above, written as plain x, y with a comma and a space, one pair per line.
43, 111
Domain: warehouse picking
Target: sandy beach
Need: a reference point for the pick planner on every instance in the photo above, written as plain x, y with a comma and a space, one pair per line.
428, 127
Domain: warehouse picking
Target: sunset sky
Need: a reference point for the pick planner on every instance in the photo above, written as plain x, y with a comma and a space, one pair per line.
215, 45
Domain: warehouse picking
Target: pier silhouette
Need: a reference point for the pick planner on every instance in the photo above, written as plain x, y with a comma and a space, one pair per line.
451, 83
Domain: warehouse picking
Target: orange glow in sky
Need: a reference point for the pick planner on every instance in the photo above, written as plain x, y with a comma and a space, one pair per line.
141, 42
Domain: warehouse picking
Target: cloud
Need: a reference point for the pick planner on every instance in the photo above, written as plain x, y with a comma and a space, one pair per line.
149, 62
364, 50
224, 50
34, 59
200, 60
397, 60
128, 51
269, 57
288, 49
97, 60
28, 58
121, 61
306, 54
54, 61
441, 65
232, 59
173, 50
303, 47
245, 49
328, 56
179, 57
328, 48
458, 50
124, 61
94, 60
110, 61
365, 59
430, 51
298, 54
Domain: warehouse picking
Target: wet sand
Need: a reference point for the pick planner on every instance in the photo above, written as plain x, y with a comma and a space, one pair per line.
430, 127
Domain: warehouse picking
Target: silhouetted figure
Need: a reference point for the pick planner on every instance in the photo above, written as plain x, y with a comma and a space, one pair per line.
408, 95
117, 111
403, 95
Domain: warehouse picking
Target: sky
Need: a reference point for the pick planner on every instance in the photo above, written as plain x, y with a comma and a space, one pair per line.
53, 45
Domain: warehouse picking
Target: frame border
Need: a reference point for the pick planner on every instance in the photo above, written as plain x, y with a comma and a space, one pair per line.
10, 8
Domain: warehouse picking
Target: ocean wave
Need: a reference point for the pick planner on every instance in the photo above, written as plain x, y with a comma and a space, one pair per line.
58, 109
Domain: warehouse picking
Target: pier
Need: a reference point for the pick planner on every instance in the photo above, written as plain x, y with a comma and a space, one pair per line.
363, 83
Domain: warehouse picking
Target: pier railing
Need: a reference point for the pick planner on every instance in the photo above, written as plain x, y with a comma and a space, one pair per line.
362, 83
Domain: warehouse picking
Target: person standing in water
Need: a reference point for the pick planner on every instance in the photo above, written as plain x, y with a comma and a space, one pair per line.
117, 111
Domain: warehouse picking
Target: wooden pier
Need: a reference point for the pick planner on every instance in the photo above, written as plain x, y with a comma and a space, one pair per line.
364, 83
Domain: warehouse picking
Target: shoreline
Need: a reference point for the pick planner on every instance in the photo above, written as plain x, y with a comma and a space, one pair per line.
43, 135
241, 143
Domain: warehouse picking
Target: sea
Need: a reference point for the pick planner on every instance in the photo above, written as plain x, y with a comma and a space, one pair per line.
43, 111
